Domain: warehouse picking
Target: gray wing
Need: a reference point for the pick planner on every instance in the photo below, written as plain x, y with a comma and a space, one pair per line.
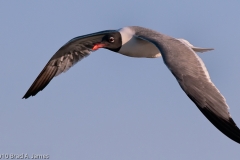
192, 75
68, 55
200, 89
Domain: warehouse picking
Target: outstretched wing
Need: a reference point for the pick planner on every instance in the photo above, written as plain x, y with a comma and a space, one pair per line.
194, 79
68, 55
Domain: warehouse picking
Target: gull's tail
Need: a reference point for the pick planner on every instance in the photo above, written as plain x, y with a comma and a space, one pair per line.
196, 49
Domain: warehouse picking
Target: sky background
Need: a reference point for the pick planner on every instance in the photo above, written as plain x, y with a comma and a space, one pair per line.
109, 106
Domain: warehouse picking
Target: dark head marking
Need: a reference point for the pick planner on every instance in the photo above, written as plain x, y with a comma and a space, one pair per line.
112, 41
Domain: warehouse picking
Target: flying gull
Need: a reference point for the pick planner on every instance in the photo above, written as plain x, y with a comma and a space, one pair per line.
178, 55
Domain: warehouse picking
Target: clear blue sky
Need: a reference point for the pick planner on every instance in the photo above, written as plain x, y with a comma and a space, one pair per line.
109, 106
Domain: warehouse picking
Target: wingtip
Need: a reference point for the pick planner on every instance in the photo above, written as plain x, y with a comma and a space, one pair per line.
41, 81
25, 97
226, 126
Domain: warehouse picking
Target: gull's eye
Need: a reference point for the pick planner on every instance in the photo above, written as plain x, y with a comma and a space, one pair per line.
111, 39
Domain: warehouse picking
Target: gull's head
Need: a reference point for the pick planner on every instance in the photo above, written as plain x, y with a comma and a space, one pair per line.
111, 41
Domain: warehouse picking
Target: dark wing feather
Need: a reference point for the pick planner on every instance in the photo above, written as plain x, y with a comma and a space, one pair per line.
68, 55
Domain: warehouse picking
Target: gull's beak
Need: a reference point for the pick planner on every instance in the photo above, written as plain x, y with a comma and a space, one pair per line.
98, 45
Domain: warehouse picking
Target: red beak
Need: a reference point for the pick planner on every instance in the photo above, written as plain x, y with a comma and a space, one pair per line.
97, 46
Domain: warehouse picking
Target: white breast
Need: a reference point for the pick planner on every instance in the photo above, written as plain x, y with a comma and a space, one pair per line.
133, 46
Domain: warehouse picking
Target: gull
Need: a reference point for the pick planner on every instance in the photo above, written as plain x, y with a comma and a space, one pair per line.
178, 55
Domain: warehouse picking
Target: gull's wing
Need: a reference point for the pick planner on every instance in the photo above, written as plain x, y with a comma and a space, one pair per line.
193, 77
68, 55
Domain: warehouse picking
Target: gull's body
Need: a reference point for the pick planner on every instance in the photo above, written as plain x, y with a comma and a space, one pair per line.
178, 55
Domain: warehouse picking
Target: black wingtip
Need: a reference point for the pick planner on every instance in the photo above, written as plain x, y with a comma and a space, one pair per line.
226, 126
26, 96
41, 81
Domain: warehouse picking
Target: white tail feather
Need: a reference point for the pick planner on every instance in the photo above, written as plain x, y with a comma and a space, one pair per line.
196, 49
